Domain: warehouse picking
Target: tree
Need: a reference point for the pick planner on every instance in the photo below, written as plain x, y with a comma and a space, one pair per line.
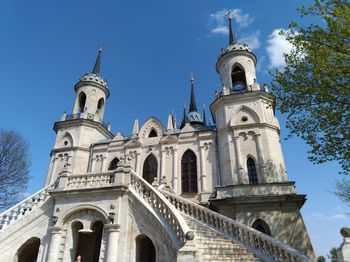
14, 168
314, 87
321, 259
333, 255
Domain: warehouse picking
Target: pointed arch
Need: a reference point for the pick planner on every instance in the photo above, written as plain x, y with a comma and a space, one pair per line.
252, 173
152, 133
100, 107
67, 140
261, 226
145, 249
238, 78
189, 172
238, 115
113, 164
28, 252
82, 102
150, 168
151, 124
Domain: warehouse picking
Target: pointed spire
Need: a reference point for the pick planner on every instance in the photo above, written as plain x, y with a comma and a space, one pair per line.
174, 119
232, 39
204, 117
170, 126
193, 107
183, 122
135, 130
97, 65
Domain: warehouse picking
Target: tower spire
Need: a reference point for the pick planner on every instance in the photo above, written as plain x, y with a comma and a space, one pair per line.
97, 65
232, 39
193, 107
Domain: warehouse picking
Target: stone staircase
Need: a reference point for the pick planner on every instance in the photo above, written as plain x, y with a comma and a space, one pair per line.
214, 246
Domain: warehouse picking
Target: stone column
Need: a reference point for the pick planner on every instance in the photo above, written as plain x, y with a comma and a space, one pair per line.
113, 230
162, 164
237, 146
53, 170
175, 177
54, 244
137, 163
103, 165
261, 159
203, 174
93, 160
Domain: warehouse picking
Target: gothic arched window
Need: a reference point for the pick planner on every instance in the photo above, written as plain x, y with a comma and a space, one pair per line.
114, 164
239, 82
82, 101
100, 105
150, 167
252, 174
189, 172
262, 226
153, 133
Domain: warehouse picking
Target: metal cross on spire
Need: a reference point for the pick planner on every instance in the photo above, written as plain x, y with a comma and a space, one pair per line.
232, 39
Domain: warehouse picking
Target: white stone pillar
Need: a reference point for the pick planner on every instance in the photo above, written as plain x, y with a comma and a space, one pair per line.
175, 175
53, 170
203, 177
103, 164
93, 160
162, 164
261, 158
54, 244
137, 163
240, 178
113, 230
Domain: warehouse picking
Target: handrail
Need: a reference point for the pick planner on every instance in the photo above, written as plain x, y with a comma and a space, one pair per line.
19, 210
90, 180
162, 205
262, 245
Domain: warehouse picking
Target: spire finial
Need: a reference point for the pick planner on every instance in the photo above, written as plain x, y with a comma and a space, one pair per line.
193, 107
232, 39
97, 65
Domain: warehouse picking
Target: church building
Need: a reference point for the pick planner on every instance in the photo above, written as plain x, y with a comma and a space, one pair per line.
187, 191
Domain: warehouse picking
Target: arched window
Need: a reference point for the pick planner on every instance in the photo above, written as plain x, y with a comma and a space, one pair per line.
28, 252
100, 105
253, 176
82, 101
145, 250
189, 172
239, 82
114, 164
262, 226
153, 133
150, 167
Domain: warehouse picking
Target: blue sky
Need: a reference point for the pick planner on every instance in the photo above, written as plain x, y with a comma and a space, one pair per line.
150, 49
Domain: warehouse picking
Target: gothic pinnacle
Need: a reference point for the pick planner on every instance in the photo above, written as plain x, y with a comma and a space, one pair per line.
193, 107
232, 39
97, 65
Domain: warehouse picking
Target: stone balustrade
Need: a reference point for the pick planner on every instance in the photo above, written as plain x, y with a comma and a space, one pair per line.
24, 207
160, 203
263, 246
90, 180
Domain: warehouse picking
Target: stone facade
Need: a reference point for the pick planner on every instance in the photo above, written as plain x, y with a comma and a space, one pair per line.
99, 205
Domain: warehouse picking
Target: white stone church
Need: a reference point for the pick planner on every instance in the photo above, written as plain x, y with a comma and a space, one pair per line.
187, 192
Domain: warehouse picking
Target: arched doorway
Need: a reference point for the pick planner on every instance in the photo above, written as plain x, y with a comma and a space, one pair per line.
28, 252
189, 172
87, 242
145, 250
150, 167
262, 226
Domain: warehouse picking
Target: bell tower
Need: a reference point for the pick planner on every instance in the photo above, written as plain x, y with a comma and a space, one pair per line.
254, 187
76, 132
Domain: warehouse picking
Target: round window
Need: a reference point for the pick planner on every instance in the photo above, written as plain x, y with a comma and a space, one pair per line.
244, 118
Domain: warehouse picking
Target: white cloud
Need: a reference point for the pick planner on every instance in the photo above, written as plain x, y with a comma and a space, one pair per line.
323, 217
251, 40
277, 45
218, 20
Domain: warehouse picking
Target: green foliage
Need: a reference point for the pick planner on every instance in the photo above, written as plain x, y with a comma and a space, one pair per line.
343, 190
321, 259
14, 168
333, 255
314, 87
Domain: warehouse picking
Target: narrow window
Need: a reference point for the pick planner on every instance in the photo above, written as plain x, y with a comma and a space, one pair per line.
82, 101
100, 105
189, 172
239, 82
153, 133
253, 176
114, 164
150, 167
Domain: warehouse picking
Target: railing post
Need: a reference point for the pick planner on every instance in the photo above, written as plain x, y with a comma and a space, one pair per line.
122, 174
189, 252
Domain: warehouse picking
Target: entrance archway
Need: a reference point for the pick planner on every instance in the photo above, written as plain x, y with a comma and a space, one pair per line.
150, 168
145, 250
28, 252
